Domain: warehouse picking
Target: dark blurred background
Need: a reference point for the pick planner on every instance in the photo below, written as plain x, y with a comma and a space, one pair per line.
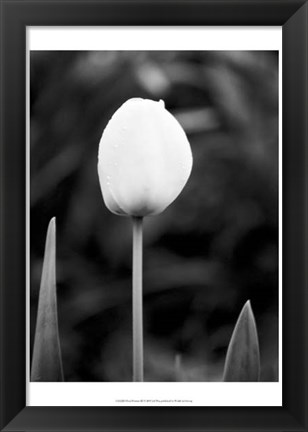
213, 249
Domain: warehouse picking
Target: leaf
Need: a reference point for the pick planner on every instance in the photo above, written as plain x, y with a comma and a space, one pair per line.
46, 360
243, 355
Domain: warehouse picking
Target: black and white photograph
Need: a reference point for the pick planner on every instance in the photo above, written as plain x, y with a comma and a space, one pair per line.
154, 216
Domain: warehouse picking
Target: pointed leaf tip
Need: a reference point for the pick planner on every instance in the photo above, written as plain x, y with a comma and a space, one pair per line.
243, 356
46, 360
247, 306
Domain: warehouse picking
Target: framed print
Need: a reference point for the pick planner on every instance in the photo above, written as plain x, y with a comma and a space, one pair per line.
153, 187
194, 245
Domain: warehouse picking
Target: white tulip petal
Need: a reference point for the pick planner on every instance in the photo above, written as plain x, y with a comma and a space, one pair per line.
144, 159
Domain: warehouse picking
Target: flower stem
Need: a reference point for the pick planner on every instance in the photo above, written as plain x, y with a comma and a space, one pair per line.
137, 300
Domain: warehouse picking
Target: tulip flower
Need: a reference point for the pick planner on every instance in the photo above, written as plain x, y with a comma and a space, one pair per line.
144, 161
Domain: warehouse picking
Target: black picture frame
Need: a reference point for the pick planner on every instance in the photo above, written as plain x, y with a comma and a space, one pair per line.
16, 15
